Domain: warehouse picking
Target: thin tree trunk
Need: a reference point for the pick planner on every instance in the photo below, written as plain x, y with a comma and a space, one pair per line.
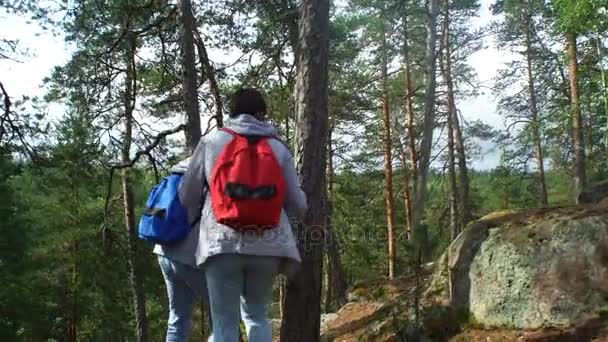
72, 321
535, 121
446, 71
282, 284
409, 107
460, 153
209, 71
410, 182
598, 42
135, 278
407, 197
189, 77
336, 284
577, 117
463, 171
424, 157
302, 316
388, 163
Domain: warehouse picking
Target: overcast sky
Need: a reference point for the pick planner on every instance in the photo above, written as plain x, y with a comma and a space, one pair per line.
24, 77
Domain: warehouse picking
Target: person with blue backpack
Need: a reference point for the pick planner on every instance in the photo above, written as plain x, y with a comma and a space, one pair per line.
245, 236
166, 223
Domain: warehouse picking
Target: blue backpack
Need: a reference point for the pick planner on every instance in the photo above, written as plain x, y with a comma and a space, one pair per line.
165, 220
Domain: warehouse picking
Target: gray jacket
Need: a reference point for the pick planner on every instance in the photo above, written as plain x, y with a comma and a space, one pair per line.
215, 238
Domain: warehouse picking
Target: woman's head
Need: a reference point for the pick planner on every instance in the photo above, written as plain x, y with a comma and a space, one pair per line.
248, 101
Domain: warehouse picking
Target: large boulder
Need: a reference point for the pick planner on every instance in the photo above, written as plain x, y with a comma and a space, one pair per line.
528, 270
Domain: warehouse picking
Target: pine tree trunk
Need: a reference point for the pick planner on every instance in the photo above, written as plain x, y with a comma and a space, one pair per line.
189, 76
424, 157
460, 153
336, 283
446, 71
535, 121
302, 315
388, 163
463, 171
577, 117
409, 108
135, 278
407, 196
72, 321
598, 43
410, 182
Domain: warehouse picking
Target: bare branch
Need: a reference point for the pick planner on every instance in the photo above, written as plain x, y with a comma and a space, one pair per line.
146, 151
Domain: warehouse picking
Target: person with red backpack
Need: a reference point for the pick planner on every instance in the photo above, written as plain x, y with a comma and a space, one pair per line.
245, 236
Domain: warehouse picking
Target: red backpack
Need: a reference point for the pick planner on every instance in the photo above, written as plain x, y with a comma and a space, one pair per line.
247, 184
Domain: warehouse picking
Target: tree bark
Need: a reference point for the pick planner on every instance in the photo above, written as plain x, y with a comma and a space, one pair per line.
426, 144
302, 315
577, 117
388, 162
189, 76
535, 121
135, 278
446, 68
336, 283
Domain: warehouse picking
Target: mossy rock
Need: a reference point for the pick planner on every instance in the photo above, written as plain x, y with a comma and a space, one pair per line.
527, 270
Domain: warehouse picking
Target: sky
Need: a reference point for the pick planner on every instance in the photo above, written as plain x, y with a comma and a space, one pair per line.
44, 51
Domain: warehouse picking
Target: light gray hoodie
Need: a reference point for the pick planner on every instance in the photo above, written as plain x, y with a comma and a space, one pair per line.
215, 238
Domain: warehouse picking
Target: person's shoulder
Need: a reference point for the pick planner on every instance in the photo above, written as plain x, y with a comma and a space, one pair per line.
214, 136
280, 147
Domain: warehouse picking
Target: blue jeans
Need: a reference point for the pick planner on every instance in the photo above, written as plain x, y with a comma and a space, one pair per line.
184, 285
240, 286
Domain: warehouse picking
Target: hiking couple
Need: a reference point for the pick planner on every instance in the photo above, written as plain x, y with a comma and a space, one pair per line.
244, 177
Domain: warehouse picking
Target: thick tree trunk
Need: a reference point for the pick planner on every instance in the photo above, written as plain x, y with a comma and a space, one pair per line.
535, 122
446, 68
577, 117
189, 77
388, 163
428, 125
135, 278
302, 315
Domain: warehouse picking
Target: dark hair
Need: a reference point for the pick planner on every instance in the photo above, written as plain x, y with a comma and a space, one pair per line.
247, 101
